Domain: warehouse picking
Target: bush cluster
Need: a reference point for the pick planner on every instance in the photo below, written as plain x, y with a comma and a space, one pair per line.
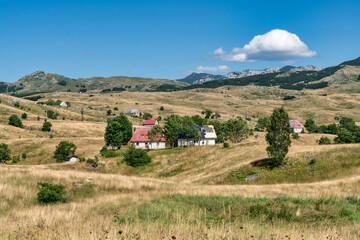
136, 157
50, 193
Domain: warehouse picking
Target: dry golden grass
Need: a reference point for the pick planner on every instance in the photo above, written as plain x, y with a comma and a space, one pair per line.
188, 172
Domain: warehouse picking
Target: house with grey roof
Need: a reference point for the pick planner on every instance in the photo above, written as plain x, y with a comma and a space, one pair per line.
207, 137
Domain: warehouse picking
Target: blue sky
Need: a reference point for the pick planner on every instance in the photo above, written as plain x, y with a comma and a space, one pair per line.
167, 39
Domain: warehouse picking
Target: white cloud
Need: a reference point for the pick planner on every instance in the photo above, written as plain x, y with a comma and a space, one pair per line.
274, 45
219, 51
221, 68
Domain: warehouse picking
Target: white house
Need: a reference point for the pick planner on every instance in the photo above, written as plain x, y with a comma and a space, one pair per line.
141, 140
150, 123
207, 137
296, 126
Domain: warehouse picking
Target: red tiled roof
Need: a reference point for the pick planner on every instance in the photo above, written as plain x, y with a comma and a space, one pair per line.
149, 122
140, 135
295, 124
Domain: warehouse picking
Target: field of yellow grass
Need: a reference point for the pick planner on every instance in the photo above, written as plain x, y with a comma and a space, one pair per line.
170, 198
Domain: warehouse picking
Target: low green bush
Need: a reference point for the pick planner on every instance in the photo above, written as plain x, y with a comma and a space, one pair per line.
50, 193
105, 152
136, 157
324, 140
15, 121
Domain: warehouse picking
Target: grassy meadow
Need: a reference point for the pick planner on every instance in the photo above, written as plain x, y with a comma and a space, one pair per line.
184, 193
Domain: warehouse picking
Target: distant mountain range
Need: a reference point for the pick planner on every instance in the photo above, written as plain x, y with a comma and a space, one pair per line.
288, 77
200, 78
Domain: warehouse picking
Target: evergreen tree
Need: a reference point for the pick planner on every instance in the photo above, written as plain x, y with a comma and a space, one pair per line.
118, 131
278, 137
46, 126
4, 153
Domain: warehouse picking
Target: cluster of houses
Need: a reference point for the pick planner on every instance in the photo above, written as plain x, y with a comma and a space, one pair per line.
141, 140
207, 134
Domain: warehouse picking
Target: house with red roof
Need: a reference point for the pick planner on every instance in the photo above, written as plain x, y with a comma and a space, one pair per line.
296, 126
150, 123
142, 141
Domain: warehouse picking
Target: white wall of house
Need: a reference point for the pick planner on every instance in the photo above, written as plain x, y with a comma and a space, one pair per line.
298, 130
153, 145
202, 142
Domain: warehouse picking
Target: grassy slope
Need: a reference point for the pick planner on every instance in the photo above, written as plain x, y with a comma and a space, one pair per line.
48, 82
154, 190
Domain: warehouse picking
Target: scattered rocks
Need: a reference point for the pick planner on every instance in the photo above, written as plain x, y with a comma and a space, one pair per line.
252, 177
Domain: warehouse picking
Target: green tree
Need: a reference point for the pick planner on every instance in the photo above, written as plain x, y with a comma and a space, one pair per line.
311, 126
64, 149
4, 153
236, 130
156, 133
207, 113
198, 120
345, 136
136, 157
172, 128
346, 122
46, 126
24, 116
278, 137
147, 116
189, 132
15, 121
51, 114
262, 124
118, 131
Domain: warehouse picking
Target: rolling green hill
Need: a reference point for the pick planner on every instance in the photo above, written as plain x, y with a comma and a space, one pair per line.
40, 81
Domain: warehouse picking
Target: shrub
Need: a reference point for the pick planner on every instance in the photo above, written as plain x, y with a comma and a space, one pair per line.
15, 159
162, 108
136, 157
64, 149
289, 98
295, 135
51, 114
50, 193
24, 116
23, 155
105, 152
17, 104
312, 161
147, 116
324, 140
226, 145
93, 162
15, 121
4, 153
46, 126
